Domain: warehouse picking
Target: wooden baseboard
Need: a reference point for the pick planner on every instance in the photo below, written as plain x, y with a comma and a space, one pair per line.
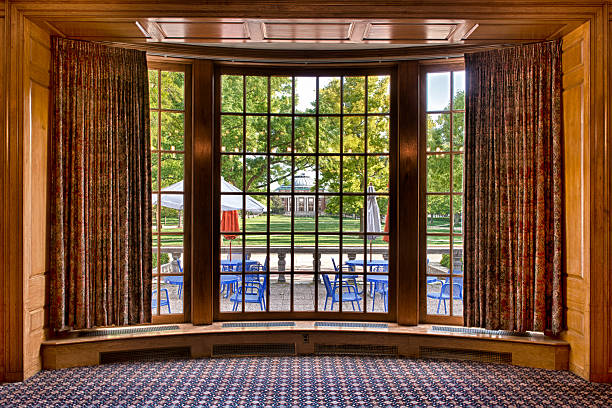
539, 351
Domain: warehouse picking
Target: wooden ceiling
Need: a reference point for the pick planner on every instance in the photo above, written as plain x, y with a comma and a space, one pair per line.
310, 33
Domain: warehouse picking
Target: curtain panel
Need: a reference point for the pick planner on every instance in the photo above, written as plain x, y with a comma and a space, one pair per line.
101, 187
513, 189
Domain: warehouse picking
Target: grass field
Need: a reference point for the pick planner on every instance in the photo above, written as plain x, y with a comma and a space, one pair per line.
282, 224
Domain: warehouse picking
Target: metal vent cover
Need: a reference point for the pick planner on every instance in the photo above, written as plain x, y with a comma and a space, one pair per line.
465, 355
356, 349
169, 353
477, 330
353, 325
261, 349
126, 330
258, 324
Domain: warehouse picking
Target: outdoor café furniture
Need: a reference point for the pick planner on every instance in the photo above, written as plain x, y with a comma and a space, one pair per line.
229, 283
444, 294
235, 265
162, 301
352, 294
371, 263
176, 280
254, 292
379, 284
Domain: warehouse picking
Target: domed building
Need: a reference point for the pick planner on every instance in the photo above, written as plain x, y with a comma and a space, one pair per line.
304, 205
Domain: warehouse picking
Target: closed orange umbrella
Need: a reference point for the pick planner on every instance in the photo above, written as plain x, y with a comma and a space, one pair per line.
230, 223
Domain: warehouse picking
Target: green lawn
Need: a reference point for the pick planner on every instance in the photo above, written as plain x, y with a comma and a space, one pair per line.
281, 223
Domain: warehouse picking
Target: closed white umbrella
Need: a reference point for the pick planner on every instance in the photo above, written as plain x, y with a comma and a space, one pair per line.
373, 216
228, 202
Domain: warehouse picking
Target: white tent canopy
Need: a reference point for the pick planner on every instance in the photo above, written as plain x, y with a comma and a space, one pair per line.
228, 202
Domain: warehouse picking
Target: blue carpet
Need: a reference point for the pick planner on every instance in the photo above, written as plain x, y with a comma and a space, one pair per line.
305, 381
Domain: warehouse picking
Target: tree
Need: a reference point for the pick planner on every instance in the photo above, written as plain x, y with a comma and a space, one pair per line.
438, 166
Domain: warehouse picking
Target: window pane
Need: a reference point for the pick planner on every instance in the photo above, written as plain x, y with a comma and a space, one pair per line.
436, 302
457, 172
379, 94
353, 174
329, 134
378, 173
352, 211
304, 249
438, 91
438, 173
172, 168
173, 90
231, 133
281, 174
280, 134
438, 255
458, 131
354, 95
352, 250
329, 221
231, 170
281, 222
153, 89
304, 173
305, 134
304, 293
378, 134
231, 93
155, 172
438, 132
281, 94
257, 222
438, 211
172, 219
154, 130
457, 259
256, 94
256, 133
354, 134
329, 95
459, 90
256, 174
173, 131
305, 94
329, 174
458, 214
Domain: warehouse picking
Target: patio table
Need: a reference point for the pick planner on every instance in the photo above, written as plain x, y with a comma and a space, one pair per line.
234, 264
359, 262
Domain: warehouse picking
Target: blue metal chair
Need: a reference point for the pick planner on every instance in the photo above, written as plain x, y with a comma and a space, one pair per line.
257, 267
162, 301
176, 280
444, 294
254, 292
383, 289
352, 295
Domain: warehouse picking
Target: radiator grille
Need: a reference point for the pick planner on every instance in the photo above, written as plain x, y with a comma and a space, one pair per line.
352, 325
476, 330
258, 324
243, 350
464, 354
356, 349
170, 353
126, 330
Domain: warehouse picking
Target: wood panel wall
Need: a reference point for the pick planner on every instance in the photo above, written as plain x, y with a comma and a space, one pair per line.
37, 66
576, 114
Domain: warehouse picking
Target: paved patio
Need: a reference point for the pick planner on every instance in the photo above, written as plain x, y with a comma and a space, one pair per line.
304, 298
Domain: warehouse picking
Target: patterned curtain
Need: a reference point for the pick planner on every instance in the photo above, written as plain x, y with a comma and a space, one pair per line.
101, 187
513, 189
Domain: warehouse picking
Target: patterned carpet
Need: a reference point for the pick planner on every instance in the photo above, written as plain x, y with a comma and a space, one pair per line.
305, 381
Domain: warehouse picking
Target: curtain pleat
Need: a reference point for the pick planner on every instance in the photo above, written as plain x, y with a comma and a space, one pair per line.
513, 189
101, 187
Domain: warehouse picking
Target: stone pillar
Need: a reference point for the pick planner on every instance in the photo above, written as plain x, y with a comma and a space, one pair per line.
281, 266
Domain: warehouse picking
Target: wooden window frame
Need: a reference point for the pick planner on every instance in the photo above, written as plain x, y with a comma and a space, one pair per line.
426, 68
176, 66
342, 70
